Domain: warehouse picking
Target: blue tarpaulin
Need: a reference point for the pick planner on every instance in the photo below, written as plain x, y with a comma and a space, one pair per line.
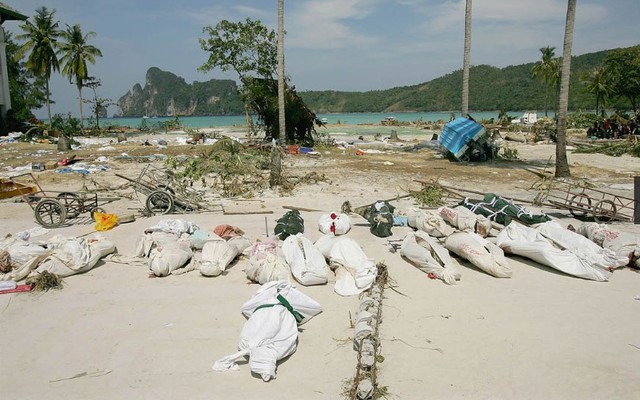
459, 134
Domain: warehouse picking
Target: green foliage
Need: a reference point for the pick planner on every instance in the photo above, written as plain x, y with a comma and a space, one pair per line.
623, 66
247, 48
68, 126
509, 153
227, 162
429, 195
262, 97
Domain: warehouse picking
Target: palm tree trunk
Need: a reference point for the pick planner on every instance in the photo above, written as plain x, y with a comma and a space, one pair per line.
281, 102
48, 101
562, 164
79, 85
276, 166
466, 61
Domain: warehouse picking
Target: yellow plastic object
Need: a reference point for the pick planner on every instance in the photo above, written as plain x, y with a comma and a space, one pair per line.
104, 221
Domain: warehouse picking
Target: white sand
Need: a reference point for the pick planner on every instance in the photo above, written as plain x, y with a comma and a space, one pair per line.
115, 333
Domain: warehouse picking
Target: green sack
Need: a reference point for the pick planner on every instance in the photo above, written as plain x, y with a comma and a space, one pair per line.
291, 223
380, 216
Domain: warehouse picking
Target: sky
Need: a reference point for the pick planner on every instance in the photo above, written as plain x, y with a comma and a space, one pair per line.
344, 45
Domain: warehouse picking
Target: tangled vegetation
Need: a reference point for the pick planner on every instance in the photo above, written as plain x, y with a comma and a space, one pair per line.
616, 149
429, 195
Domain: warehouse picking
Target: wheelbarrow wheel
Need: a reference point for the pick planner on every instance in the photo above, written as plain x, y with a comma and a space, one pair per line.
160, 203
50, 213
605, 211
71, 203
578, 203
95, 210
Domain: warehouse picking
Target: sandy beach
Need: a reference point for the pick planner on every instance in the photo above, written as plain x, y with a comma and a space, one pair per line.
115, 332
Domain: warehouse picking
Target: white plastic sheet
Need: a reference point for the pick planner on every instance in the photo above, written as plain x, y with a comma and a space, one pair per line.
265, 264
334, 224
430, 256
433, 224
527, 242
166, 259
624, 244
479, 252
308, 265
355, 272
271, 331
72, 256
466, 220
218, 253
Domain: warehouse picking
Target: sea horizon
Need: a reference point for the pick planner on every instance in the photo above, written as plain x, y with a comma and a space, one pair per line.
220, 121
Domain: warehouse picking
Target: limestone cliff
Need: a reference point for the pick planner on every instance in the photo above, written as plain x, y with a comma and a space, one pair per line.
166, 94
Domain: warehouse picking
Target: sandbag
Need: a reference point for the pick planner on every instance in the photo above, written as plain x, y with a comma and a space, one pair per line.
355, 273
166, 259
466, 220
271, 332
479, 252
290, 223
430, 257
527, 242
265, 264
308, 265
335, 224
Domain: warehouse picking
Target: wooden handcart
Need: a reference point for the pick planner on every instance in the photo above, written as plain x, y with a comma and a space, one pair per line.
584, 201
52, 208
163, 193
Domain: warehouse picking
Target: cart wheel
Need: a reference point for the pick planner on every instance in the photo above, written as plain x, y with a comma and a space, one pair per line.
71, 203
95, 210
50, 213
577, 200
160, 203
604, 210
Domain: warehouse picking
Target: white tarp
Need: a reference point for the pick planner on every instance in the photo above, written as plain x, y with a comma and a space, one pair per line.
72, 256
466, 220
308, 265
480, 252
580, 245
168, 258
429, 256
266, 264
151, 240
176, 226
624, 244
271, 331
527, 242
218, 253
334, 223
355, 272
432, 223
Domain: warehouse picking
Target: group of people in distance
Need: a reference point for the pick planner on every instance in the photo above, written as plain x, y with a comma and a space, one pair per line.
612, 129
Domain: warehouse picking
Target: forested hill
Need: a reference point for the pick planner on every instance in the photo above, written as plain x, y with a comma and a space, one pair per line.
490, 89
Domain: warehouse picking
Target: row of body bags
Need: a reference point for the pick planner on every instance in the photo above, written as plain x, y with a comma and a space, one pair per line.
460, 231
62, 256
169, 247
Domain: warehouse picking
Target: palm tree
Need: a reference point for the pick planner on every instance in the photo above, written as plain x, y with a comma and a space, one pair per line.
598, 83
276, 167
547, 71
562, 164
41, 37
467, 57
75, 52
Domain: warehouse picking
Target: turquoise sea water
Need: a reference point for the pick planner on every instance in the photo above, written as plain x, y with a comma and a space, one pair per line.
332, 119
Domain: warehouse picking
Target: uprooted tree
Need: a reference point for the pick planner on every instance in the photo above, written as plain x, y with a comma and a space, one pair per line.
250, 49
